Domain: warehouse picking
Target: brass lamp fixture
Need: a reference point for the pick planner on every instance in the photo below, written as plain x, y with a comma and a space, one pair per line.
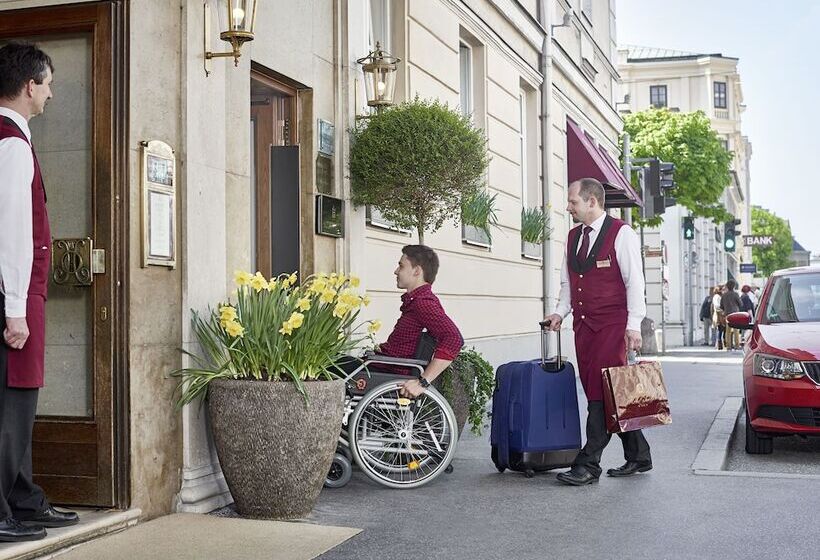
237, 18
379, 70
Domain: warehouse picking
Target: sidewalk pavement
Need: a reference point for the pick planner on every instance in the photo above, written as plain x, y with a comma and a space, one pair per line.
204, 537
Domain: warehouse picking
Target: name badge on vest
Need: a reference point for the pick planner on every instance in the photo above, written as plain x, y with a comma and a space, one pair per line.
604, 264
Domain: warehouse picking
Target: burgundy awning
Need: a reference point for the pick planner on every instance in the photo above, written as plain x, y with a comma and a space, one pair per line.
586, 159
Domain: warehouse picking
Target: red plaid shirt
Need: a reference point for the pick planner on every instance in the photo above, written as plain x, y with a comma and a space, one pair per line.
421, 309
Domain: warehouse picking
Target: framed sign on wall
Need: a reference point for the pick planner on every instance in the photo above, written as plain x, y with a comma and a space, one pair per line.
158, 182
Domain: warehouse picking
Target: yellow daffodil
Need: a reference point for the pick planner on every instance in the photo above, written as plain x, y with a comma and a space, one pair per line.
296, 319
341, 279
272, 284
285, 282
366, 300
341, 310
227, 314
234, 329
327, 295
303, 304
355, 281
374, 326
286, 328
242, 278
258, 282
292, 279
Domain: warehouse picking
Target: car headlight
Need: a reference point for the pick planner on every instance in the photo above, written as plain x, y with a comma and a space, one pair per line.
777, 368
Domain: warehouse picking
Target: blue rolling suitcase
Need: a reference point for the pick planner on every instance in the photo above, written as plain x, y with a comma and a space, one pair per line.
535, 421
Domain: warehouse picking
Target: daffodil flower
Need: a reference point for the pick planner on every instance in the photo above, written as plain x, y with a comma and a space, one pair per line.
374, 326
296, 319
355, 281
242, 278
328, 295
366, 300
292, 279
234, 329
227, 313
303, 304
258, 282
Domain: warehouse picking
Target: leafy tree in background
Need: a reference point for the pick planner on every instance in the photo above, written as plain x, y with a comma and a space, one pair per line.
689, 141
769, 259
417, 162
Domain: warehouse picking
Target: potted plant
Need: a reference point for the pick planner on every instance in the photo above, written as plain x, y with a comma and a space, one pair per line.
534, 230
478, 216
416, 163
467, 384
274, 404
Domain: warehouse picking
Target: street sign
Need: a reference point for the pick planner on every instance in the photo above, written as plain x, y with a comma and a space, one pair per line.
650, 252
758, 240
748, 267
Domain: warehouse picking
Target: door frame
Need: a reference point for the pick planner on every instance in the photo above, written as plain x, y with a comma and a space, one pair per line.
108, 23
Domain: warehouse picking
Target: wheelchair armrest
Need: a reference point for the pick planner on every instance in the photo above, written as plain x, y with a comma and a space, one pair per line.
378, 359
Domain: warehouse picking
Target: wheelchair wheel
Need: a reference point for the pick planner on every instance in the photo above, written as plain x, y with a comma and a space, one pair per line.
402, 443
340, 472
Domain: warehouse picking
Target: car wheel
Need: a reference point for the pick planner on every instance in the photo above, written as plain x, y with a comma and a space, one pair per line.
755, 443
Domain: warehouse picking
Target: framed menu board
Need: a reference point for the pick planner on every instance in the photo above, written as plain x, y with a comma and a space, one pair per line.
158, 181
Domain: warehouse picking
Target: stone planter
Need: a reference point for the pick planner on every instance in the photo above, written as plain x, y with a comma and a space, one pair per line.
274, 449
459, 400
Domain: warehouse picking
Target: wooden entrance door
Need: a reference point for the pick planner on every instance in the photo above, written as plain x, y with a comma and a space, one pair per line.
76, 451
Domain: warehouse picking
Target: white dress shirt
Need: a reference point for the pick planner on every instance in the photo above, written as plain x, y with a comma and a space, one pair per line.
628, 254
16, 233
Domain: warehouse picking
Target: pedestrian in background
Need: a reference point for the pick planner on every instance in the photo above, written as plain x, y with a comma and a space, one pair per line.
706, 319
747, 305
730, 303
718, 319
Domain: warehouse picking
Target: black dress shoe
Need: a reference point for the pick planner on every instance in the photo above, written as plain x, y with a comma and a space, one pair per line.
12, 530
630, 467
577, 477
51, 517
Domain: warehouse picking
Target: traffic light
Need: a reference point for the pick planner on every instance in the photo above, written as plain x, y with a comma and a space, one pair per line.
688, 228
658, 179
667, 182
729, 233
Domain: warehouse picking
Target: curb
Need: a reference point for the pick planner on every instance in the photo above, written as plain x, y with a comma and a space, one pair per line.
715, 449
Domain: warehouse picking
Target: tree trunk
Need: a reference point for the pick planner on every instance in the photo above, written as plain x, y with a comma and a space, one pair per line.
421, 235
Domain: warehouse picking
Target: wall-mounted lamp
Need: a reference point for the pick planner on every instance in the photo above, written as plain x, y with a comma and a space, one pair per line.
379, 70
237, 18
624, 102
565, 22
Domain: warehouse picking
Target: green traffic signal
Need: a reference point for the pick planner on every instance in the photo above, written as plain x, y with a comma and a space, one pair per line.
729, 233
688, 228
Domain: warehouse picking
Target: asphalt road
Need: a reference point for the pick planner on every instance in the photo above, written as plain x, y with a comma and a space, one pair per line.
477, 513
792, 455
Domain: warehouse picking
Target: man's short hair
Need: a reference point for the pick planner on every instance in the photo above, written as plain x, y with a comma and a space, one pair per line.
425, 257
19, 63
591, 187
730, 285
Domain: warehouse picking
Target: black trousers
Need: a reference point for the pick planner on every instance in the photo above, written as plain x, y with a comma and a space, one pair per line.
636, 448
19, 496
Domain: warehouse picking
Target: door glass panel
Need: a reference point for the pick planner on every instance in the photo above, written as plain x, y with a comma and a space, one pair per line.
62, 139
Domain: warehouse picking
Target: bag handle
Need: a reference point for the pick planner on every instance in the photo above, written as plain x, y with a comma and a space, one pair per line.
545, 344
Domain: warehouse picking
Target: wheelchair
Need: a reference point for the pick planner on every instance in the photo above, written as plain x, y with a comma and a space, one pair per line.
397, 442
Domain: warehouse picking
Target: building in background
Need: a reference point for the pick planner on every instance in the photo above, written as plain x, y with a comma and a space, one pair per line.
686, 82
800, 256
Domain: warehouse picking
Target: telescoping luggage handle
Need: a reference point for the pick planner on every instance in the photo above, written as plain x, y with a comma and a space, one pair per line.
559, 365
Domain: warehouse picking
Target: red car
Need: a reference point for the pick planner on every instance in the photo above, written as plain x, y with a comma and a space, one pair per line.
781, 367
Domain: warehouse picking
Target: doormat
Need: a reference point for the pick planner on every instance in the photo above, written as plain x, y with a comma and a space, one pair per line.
186, 536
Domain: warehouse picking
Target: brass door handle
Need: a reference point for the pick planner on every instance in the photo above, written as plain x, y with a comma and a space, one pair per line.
74, 262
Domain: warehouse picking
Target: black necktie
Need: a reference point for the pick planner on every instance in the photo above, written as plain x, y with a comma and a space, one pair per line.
582, 252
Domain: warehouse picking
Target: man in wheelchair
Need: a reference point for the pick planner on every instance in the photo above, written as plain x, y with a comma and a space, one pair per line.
400, 435
424, 337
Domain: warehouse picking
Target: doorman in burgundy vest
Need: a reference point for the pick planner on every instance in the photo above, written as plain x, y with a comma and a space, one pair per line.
25, 254
602, 284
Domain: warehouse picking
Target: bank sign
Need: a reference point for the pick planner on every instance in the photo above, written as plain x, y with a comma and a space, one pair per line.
757, 241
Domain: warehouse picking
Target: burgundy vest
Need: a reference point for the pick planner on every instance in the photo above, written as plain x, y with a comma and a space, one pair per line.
25, 367
598, 294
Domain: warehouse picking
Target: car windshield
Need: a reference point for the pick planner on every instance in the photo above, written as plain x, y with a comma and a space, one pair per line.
794, 299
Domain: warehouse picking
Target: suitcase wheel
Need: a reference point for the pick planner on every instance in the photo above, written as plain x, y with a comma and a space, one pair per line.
501, 469
529, 473
449, 469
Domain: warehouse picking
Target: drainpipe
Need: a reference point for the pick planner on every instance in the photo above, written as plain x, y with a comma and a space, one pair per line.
545, 60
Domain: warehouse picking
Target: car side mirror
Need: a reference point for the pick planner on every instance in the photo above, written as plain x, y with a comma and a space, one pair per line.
739, 320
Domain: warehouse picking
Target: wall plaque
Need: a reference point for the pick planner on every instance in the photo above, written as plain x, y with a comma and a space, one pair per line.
326, 137
330, 216
158, 182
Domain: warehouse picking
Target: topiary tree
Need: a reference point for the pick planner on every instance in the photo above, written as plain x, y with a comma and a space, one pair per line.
689, 141
769, 259
416, 163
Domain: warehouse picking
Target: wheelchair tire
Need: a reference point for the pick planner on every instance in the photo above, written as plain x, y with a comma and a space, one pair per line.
340, 472
401, 445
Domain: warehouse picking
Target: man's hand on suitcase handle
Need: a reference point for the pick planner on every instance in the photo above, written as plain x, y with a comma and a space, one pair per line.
552, 322
633, 341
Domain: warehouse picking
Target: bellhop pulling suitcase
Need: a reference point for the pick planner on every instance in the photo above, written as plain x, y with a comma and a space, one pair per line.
535, 421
